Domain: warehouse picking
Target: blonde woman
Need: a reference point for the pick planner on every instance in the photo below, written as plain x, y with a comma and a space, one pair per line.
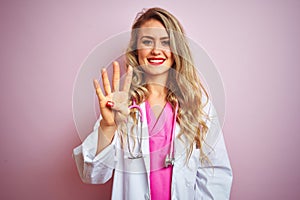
158, 134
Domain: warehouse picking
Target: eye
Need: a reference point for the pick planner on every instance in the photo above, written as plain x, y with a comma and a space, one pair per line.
165, 43
147, 42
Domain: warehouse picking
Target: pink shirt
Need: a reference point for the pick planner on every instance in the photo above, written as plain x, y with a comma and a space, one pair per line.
160, 132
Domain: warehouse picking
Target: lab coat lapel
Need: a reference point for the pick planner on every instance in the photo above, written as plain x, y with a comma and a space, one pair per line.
145, 143
179, 147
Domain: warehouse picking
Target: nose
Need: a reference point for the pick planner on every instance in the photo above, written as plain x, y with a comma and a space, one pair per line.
156, 50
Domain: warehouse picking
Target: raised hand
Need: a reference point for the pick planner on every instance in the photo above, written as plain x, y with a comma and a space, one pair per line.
119, 110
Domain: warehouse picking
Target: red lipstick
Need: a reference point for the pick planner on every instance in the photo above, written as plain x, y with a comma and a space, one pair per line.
156, 61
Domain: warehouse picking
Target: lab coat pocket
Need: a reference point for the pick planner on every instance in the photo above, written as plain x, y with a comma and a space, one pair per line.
184, 181
134, 165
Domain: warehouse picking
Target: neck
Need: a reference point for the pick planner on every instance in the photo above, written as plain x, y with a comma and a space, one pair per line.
157, 90
156, 85
157, 82
157, 97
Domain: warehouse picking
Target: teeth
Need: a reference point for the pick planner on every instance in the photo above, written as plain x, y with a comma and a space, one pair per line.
156, 61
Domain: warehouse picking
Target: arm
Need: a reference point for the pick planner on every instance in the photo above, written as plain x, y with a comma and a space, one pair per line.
105, 136
94, 168
95, 158
214, 177
118, 111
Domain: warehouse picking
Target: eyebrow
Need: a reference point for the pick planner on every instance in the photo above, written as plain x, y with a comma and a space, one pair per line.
150, 37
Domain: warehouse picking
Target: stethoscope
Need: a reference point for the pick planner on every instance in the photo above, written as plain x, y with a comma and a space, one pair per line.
169, 160
140, 124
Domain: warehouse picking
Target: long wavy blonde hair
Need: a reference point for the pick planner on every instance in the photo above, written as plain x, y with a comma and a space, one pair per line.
184, 86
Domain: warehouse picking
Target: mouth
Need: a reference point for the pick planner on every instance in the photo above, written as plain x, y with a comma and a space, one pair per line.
156, 61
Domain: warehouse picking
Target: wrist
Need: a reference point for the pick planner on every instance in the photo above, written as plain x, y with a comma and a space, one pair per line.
107, 126
104, 123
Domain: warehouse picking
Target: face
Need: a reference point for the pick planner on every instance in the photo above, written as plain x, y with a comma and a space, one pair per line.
154, 53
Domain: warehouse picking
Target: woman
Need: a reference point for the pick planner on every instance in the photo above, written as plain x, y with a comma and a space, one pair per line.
173, 147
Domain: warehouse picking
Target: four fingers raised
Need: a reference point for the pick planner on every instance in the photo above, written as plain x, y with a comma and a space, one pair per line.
111, 99
115, 81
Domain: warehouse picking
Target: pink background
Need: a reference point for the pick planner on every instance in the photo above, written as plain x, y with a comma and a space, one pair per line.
255, 45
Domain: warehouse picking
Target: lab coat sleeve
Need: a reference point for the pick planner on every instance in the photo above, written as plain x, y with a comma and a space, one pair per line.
214, 176
92, 168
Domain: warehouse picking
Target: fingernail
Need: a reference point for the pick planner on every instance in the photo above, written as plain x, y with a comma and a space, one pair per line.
109, 104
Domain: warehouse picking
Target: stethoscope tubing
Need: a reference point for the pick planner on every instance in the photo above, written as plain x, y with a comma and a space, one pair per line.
169, 160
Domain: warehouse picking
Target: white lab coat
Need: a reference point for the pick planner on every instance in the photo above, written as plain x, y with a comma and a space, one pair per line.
192, 180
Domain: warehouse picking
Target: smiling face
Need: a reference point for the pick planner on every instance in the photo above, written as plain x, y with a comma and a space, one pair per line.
153, 48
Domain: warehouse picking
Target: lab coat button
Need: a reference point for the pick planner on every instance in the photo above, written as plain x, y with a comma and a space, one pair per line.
188, 183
